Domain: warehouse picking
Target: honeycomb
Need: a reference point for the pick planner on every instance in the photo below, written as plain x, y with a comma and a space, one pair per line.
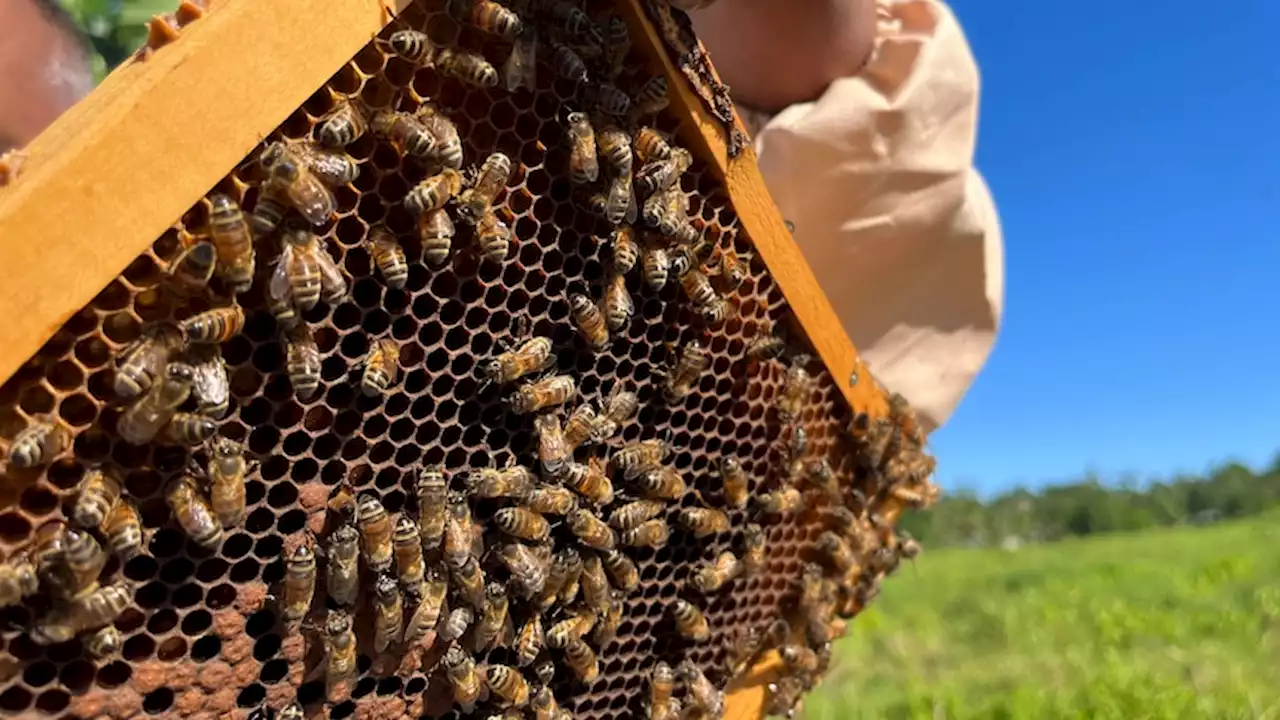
203, 638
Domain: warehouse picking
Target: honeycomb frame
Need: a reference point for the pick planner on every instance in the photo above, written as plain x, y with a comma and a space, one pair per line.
188, 602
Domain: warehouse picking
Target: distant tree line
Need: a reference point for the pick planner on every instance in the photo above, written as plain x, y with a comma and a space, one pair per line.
1091, 506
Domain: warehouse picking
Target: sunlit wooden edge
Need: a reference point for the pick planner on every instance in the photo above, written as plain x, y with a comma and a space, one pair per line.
110, 175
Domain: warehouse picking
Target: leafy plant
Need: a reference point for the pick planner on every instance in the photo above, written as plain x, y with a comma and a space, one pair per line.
116, 28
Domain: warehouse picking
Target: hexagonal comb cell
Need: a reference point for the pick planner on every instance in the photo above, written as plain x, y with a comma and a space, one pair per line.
208, 626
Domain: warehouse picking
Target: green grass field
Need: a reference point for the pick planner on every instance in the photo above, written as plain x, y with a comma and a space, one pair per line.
1178, 623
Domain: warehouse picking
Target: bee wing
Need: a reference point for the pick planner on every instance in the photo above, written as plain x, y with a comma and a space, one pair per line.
279, 289
332, 279
312, 198
633, 207
520, 69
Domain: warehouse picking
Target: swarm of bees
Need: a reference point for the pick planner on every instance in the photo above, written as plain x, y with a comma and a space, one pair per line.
510, 582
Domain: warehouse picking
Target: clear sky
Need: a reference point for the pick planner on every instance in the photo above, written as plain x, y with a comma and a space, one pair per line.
1134, 156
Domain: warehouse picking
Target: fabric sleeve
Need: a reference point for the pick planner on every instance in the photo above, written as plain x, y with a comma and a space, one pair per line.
877, 177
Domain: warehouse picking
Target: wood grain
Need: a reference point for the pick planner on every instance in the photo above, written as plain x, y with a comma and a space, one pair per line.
110, 175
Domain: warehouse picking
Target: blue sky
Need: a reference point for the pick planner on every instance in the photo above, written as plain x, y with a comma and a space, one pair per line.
1135, 160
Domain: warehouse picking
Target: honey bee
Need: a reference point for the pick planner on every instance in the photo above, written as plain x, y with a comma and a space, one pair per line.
143, 361
615, 149
432, 193
299, 584
812, 586
618, 307
567, 63
576, 625
18, 580
381, 367
302, 360
340, 655
614, 204
490, 179
652, 97
270, 209
427, 614
193, 512
581, 426
405, 132
661, 175
493, 620
734, 478
554, 451
650, 533
522, 523
765, 347
581, 659
703, 521
571, 19
531, 356
617, 43
566, 566
733, 270
407, 547
715, 575
795, 390
520, 68
213, 326
626, 251
456, 624
186, 428
545, 393
837, 551
784, 697
530, 640
303, 189
594, 584
412, 45
611, 100
467, 67
304, 272
99, 493
610, 620
650, 145
637, 457
621, 406
91, 611
331, 166
345, 124
460, 669
212, 387
702, 694
342, 572
468, 582
82, 561
388, 256
388, 618
448, 152
693, 361
508, 685
489, 16
193, 268
697, 287
621, 570
433, 496
104, 643
545, 706
493, 236
584, 167
589, 481
662, 482
657, 267
458, 531
800, 659
123, 530
590, 322
375, 533
743, 650
783, 501
630, 516
436, 230
591, 530
753, 557
662, 687
226, 471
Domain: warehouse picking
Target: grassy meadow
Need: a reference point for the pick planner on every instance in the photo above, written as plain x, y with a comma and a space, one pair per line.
1168, 623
